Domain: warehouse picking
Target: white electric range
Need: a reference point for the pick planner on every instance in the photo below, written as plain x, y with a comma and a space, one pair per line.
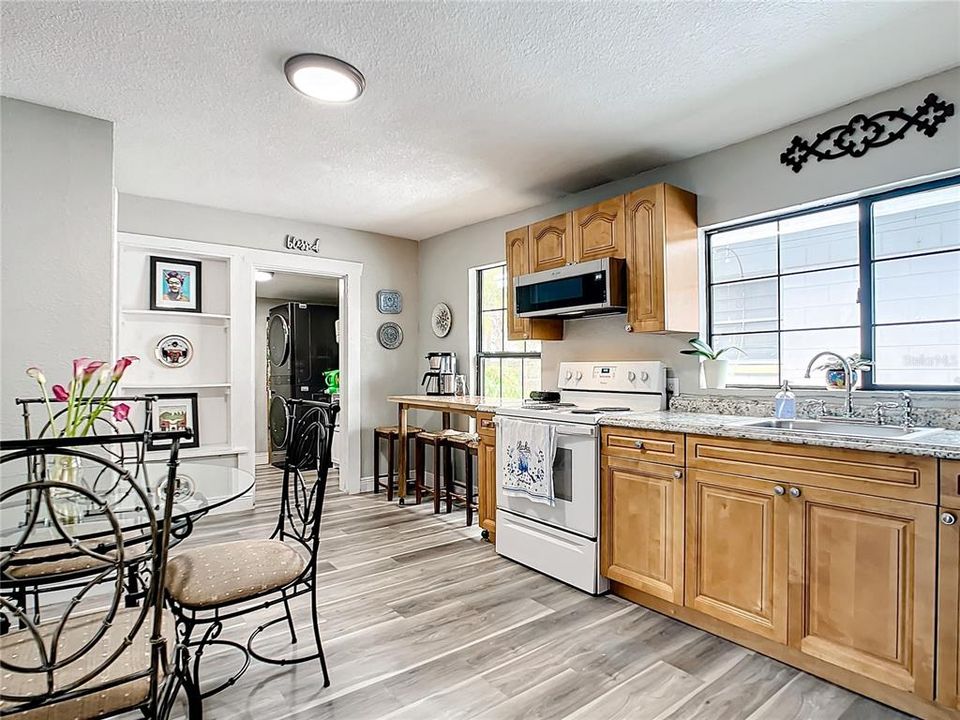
562, 540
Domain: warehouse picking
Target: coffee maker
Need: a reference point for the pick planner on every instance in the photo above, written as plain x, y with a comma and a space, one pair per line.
441, 376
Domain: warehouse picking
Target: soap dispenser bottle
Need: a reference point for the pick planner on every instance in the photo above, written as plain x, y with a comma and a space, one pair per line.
785, 403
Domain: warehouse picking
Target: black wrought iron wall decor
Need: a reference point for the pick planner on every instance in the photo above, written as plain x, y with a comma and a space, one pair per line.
862, 133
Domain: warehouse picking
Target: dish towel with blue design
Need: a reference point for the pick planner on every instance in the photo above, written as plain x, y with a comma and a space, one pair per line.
527, 462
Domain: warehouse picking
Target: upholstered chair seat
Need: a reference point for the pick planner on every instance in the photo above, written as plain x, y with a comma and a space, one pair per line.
20, 648
231, 571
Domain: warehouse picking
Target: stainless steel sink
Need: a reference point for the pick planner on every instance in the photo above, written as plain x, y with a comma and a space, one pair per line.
840, 427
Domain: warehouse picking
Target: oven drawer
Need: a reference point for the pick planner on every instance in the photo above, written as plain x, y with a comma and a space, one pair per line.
562, 555
649, 445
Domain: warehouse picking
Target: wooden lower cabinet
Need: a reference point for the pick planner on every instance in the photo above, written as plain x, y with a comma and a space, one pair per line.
862, 584
487, 477
736, 556
948, 611
641, 521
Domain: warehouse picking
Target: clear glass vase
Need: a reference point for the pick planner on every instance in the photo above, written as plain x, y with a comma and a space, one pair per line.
69, 506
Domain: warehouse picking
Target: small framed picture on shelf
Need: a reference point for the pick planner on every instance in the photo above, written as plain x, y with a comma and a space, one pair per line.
175, 284
174, 411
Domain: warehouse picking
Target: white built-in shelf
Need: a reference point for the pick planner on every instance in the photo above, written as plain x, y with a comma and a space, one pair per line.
177, 386
203, 451
176, 313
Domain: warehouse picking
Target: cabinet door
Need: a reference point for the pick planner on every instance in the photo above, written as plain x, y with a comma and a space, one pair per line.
736, 557
862, 573
641, 524
518, 262
645, 262
550, 243
598, 230
487, 489
948, 624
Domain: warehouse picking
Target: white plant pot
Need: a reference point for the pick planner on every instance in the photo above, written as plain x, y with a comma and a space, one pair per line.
715, 373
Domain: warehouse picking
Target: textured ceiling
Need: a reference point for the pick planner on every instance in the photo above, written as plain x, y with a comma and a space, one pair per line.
303, 288
472, 109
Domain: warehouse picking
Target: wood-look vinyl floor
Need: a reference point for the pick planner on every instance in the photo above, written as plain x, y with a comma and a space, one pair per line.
422, 620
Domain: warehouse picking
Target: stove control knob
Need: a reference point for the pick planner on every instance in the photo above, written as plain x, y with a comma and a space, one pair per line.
568, 375
579, 375
631, 376
644, 376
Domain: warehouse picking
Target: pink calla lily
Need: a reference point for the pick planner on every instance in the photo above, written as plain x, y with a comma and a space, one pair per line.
120, 412
79, 366
60, 393
91, 369
122, 364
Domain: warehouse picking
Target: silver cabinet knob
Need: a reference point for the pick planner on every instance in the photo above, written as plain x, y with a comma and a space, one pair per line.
948, 518
678, 474
794, 492
638, 444
778, 490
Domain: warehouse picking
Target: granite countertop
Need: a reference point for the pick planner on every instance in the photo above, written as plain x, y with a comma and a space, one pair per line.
943, 444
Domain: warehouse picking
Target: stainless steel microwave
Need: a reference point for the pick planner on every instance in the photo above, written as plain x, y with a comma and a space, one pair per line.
595, 287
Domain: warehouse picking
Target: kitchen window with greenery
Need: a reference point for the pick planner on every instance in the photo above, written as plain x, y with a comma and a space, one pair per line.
878, 277
507, 369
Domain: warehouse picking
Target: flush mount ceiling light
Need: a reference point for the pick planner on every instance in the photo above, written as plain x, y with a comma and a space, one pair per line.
324, 78
263, 276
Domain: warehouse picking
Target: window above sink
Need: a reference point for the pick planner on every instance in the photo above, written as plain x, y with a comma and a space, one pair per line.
878, 276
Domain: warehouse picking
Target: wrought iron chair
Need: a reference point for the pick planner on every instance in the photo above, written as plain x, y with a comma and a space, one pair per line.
93, 657
129, 452
209, 585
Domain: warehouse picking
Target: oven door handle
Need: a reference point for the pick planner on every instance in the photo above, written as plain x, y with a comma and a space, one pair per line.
562, 428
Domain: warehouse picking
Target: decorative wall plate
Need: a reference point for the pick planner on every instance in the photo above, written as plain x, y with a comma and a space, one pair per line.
390, 335
174, 351
389, 302
441, 320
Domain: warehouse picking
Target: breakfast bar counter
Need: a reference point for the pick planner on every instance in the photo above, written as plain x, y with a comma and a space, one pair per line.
445, 404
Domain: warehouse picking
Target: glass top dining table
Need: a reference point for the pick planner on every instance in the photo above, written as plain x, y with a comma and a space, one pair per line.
200, 488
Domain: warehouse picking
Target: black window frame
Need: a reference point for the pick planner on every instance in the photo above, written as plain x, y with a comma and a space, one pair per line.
480, 354
866, 263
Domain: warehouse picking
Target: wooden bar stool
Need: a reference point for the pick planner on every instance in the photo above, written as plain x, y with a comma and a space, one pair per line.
469, 444
390, 433
435, 440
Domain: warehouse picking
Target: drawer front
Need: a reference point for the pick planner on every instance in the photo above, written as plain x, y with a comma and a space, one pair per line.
904, 477
950, 484
485, 424
649, 445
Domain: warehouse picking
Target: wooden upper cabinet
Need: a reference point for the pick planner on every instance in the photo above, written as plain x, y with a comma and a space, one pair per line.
641, 526
662, 260
599, 231
551, 243
736, 552
518, 263
948, 612
863, 578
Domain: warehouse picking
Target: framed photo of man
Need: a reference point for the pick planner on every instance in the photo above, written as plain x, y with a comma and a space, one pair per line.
175, 284
171, 412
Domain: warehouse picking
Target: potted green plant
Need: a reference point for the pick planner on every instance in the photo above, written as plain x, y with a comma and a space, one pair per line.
836, 377
715, 368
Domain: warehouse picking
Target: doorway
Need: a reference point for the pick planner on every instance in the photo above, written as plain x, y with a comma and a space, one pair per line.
296, 354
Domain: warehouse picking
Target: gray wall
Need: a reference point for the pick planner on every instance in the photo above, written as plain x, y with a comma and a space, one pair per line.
388, 262
56, 225
732, 183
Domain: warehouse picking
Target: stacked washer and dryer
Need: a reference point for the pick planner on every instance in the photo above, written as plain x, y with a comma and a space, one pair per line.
301, 346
